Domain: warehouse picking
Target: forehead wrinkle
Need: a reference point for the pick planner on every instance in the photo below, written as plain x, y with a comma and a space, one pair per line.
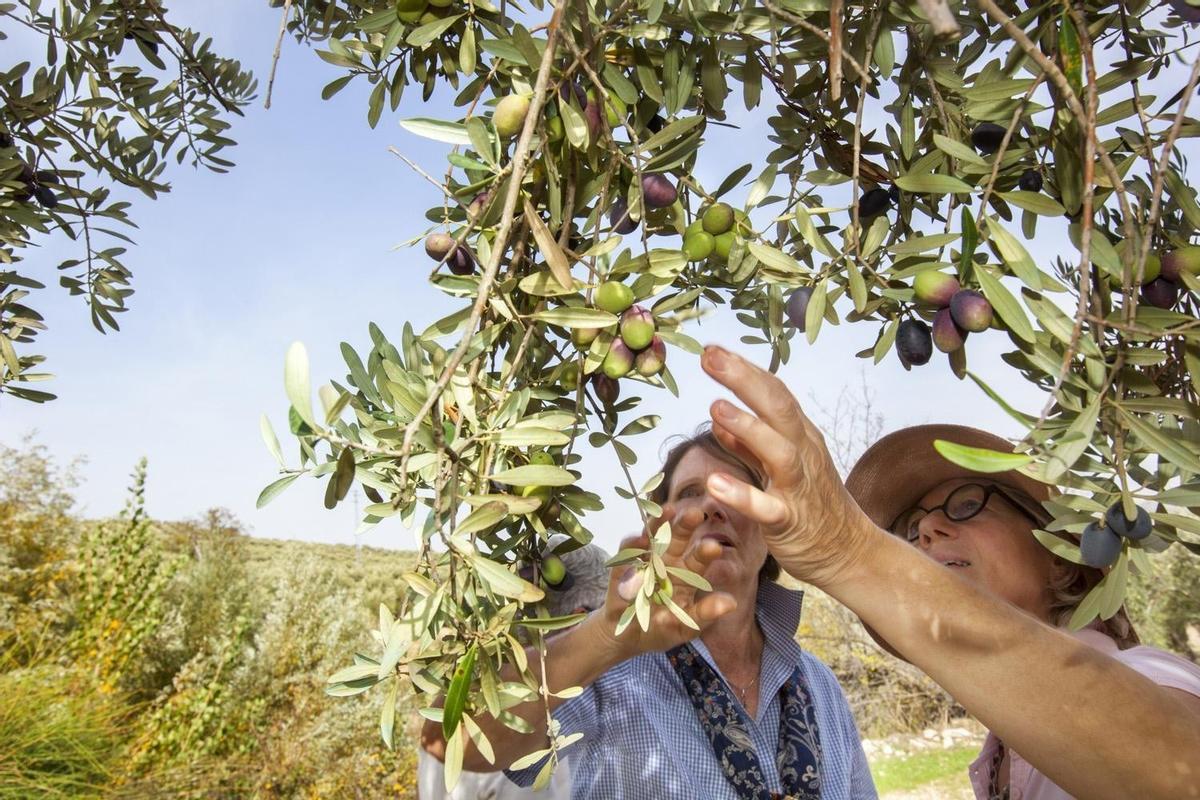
698, 463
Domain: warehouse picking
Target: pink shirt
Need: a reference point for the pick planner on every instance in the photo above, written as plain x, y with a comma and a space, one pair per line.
1025, 782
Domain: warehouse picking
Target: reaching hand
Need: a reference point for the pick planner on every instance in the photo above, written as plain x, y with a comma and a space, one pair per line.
812, 525
665, 629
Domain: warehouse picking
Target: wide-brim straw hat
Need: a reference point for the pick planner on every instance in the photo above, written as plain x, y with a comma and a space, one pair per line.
898, 470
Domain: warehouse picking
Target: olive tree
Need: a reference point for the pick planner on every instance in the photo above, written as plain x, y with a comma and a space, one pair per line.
119, 94
916, 151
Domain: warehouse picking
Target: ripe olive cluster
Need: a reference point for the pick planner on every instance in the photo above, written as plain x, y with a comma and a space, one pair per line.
441, 247
508, 119
1159, 283
959, 312
635, 346
1101, 543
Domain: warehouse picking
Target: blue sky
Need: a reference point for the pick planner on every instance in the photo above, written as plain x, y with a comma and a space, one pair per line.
298, 243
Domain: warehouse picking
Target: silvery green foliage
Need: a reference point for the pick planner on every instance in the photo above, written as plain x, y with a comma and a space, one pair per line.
120, 94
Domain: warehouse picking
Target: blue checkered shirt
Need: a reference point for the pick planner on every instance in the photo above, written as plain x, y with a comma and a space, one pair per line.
642, 741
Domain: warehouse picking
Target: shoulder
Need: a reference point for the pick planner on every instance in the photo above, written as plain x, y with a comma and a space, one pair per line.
631, 671
824, 685
629, 681
816, 671
1162, 667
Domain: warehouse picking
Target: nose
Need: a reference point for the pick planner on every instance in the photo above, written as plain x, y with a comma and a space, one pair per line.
713, 509
933, 526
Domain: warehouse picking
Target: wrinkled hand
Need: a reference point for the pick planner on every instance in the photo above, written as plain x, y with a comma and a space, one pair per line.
812, 526
665, 629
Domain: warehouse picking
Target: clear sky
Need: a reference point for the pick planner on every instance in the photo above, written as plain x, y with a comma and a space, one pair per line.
299, 243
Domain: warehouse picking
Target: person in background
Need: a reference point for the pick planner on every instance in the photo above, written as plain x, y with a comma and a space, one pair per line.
580, 592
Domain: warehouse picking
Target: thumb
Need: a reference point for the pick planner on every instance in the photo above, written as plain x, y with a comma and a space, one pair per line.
629, 583
623, 580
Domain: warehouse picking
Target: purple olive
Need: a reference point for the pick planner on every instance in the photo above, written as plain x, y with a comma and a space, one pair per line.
1030, 181
914, 344
45, 196
438, 245
874, 203
479, 205
971, 310
564, 92
607, 389
658, 191
987, 137
461, 262
26, 178
1184, 259
619, 217
591, 112
947, 335
1136, 529
1160, 292
651, 360
797, 307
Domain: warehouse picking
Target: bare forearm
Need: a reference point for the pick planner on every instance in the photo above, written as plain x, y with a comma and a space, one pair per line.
1091, 724
574, 658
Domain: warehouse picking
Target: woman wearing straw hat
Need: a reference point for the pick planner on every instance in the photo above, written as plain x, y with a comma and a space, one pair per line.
941, 565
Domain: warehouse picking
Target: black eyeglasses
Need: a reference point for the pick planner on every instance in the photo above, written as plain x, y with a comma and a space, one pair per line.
963, 503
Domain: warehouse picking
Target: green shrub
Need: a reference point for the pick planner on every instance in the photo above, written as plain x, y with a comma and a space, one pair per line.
1164, 604
36, 559
121, 575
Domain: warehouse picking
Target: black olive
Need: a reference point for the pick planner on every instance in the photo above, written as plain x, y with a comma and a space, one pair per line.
1030, 180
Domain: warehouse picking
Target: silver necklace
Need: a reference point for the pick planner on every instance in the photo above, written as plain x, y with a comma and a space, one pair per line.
742, 692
